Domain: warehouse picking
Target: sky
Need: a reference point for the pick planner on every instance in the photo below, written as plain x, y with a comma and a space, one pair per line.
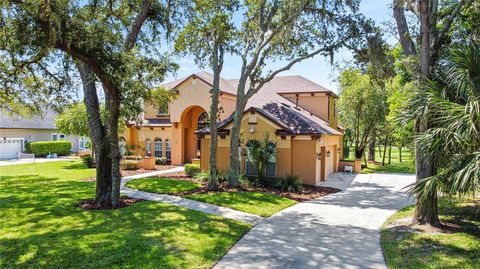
317, 69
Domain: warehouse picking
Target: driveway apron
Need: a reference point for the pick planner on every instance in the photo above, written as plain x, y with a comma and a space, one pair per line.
337, 231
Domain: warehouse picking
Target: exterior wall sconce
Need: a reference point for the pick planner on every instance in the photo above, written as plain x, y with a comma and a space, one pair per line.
175, 124
328, 153
319, 155
338, 150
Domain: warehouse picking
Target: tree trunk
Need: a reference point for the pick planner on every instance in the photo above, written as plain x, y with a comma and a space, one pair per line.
427, 213
390, 152
112, 98
234, 174
424, 167
371, 149
212, 179
400, 152
384, 149
402, 28
99, 136
380, 148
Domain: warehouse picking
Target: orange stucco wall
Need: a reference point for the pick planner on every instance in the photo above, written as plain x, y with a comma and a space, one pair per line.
303, 160
138, 137
321, 105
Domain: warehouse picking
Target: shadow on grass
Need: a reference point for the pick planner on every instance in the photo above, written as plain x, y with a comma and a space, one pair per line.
42, 228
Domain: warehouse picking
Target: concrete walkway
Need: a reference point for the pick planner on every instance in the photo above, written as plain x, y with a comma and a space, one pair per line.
337, 231
187, 203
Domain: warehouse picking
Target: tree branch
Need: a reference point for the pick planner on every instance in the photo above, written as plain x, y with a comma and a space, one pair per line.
137, 25
402, 28
447, 25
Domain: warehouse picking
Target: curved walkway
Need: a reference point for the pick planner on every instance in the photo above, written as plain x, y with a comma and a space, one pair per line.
187, 203
337, 231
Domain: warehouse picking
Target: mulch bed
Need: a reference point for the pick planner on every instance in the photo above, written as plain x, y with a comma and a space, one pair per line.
126, 173
308, 193
91, 205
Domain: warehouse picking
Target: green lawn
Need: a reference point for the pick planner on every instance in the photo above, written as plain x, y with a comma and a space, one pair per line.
441, 250
258, 203
162, 185
406, 166
42, 228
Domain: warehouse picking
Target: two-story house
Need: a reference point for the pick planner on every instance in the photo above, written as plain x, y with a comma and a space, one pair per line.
298, 114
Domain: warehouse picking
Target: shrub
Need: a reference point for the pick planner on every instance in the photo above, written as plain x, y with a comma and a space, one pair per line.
161, 161
291, 183
222, 176
192, 169
133, 157
129, 165
203, 176
43, 148
87, 159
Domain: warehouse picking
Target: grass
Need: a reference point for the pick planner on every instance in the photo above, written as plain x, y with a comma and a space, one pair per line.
406, 166
42, 228
258, 203
162, 185
436, 250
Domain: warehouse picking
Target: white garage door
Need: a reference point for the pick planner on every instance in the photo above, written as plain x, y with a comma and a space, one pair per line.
10, 147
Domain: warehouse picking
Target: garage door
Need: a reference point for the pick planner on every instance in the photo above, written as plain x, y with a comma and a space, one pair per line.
10, 147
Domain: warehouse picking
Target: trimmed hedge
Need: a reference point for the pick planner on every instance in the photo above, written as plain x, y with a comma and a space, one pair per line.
42, 148
192, 170
129, 165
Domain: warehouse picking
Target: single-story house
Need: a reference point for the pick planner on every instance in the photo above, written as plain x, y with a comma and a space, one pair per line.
16, 131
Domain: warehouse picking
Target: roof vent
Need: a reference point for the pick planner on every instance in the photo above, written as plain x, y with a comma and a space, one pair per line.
285, 105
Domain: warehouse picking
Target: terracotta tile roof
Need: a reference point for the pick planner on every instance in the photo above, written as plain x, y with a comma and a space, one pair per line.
269, 102
159, 122
225, 85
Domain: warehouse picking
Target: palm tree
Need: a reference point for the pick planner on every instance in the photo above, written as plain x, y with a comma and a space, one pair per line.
451, 103
260, 152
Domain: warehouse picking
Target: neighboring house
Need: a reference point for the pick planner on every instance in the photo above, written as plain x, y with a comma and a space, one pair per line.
298, 114
15, 131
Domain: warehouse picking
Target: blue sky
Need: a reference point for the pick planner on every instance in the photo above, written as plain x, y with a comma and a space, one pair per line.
317, 69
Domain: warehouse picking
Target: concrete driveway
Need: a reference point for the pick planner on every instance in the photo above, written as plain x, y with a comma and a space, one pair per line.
337, 231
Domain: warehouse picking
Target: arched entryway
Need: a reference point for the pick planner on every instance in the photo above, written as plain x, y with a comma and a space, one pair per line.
193, 118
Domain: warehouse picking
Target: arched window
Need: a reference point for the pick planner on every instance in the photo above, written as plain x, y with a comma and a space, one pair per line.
158, 147
202, 120
168, 149
148, 147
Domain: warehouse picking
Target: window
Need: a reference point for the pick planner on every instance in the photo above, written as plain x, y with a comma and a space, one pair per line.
158, 148
56, 137
168, 149
82, 142
202, 120
250, 168
148, 147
